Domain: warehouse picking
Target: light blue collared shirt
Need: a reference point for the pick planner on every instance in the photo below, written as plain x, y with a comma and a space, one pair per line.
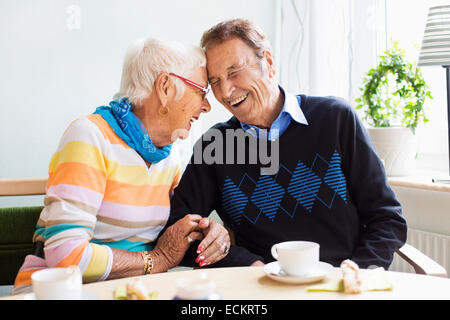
291, 111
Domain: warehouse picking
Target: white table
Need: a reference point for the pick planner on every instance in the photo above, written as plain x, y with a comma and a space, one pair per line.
251, 283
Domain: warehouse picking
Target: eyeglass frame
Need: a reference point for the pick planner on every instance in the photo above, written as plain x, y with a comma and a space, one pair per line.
193, 84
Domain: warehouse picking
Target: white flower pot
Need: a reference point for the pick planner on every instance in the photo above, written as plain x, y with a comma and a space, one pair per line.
397, 148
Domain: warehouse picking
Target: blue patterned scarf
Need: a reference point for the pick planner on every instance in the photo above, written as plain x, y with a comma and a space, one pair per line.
131, 130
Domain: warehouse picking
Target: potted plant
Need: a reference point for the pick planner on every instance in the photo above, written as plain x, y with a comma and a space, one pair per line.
392, 101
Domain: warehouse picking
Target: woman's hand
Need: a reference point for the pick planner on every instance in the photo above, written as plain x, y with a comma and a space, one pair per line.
216, 242
172, 245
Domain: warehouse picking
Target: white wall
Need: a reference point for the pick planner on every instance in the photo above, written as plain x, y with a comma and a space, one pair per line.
425, 210
60, 59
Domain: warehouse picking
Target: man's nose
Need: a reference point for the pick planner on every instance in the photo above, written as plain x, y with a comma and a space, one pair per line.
227, 88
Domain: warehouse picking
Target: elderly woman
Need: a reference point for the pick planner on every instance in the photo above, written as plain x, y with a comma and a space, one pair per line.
112, 176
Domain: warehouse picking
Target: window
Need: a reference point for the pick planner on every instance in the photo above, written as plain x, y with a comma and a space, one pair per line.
325, 47
405, 22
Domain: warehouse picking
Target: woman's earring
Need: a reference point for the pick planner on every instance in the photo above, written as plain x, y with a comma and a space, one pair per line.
163, 110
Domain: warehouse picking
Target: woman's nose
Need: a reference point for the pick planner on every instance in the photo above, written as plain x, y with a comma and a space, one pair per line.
206, 107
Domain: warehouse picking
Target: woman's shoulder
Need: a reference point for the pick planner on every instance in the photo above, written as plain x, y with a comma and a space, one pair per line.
82, 130
93, 129
81, 127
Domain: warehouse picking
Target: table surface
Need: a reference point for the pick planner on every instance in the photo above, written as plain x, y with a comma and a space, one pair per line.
251, 283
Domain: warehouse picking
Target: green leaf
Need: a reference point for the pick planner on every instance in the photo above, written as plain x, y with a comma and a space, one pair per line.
393, 89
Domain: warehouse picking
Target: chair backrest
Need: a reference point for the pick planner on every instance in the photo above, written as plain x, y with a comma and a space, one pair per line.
22, 187
17, 226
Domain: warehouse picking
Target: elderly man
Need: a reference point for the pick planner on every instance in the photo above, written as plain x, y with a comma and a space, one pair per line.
329, 186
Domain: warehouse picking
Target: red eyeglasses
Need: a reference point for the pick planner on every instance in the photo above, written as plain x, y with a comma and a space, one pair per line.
193, 84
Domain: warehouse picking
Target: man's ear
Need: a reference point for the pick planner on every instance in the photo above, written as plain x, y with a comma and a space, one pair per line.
164, 88
270, 63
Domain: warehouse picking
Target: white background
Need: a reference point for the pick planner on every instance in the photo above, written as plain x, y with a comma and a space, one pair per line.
54, 71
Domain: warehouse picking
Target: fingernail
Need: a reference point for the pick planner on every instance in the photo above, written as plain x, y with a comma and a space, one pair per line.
200, 258
203, 263
200, 249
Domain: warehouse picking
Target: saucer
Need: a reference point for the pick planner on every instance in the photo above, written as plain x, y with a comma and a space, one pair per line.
274, 272
86, 295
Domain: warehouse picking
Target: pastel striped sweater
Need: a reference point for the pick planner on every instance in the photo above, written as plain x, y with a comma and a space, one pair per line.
100, 195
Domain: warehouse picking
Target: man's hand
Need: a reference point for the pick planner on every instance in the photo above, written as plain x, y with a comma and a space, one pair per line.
216, 242
257, 263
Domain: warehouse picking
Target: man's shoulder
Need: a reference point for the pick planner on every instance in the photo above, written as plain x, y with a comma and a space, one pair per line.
327, 107
331, 102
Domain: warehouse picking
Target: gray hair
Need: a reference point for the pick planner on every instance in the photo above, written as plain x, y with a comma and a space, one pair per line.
242, 29
147, 58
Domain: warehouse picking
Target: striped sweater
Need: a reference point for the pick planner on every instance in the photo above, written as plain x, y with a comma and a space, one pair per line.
100, 195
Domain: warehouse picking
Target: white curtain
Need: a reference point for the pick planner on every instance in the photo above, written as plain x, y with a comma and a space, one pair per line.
326, 46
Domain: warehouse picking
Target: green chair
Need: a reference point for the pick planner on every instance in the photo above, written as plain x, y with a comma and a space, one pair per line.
17, 226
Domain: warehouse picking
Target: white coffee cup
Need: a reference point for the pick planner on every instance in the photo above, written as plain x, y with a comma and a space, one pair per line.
297, 258
57, 283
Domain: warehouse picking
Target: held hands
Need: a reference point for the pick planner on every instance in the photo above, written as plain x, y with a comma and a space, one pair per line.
215, 245
173, 244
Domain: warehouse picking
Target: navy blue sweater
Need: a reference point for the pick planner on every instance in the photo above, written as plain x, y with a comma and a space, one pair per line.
330, 187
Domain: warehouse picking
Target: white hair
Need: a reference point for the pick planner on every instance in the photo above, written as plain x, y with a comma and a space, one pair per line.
147, 58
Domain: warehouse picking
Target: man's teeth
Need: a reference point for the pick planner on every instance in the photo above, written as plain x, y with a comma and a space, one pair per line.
192, 120
236, 101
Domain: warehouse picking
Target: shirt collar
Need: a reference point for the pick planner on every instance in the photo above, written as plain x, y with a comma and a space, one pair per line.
291, 107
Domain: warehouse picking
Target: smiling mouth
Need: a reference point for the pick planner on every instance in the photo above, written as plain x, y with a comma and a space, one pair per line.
236, 102
194, 118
